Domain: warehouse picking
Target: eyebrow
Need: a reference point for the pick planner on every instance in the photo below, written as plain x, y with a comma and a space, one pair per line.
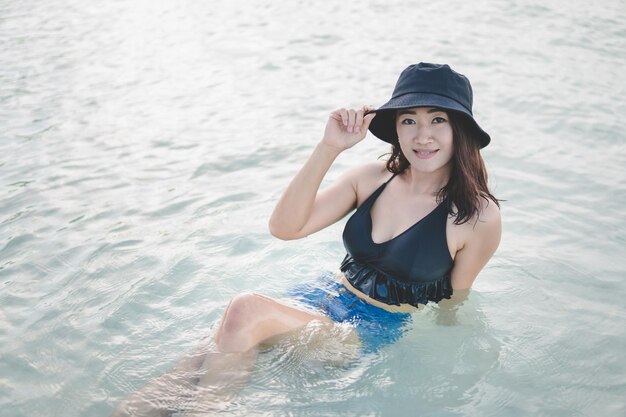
432, 110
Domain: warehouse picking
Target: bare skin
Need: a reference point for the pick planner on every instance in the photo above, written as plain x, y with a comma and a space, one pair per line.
203, 380
303, 209
426, 139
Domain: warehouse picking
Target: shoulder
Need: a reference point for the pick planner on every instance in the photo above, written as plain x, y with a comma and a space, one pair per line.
483, 229
489, 214
366, 178
486, 227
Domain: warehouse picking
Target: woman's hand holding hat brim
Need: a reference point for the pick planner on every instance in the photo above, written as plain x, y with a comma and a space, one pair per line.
347, 127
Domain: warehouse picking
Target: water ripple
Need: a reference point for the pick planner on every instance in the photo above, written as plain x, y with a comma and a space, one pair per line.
145, 143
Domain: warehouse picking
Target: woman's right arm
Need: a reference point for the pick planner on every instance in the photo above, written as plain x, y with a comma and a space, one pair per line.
303, 209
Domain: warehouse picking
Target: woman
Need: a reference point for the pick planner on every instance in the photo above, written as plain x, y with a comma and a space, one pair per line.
425, 224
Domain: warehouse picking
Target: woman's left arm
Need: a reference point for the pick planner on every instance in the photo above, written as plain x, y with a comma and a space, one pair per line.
480, 241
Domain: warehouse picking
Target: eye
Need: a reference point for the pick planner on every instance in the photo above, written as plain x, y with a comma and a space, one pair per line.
438, 120
407, 121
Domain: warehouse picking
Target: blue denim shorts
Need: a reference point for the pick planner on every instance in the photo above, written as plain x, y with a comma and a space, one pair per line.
375, 326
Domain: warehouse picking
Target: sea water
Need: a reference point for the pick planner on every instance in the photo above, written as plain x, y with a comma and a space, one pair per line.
144, 144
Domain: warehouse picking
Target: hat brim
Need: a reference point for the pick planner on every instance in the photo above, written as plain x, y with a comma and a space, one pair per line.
383, 126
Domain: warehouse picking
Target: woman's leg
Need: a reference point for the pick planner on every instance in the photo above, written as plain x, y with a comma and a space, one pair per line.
251, 319
221, 369
166, 393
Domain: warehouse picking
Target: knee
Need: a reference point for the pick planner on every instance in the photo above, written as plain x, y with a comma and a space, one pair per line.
241, 311
240, 316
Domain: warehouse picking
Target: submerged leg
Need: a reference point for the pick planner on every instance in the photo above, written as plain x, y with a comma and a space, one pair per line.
249, 320
166, 393
218, 370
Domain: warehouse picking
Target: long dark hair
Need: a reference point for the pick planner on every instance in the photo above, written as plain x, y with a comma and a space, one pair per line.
468, 178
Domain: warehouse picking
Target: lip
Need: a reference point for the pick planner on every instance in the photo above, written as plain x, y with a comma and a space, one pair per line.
425, 153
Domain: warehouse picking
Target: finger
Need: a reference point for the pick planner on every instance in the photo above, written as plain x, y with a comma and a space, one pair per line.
351, 120
367, 119
344, 116
358, 120
367, 109
335, 115
340, 115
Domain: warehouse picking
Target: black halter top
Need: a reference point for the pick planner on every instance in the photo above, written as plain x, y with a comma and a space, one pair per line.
412, 268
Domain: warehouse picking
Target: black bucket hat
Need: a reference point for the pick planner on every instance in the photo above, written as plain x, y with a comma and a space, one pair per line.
426, 85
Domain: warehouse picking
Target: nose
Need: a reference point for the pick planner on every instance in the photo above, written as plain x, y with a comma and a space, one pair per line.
423, 134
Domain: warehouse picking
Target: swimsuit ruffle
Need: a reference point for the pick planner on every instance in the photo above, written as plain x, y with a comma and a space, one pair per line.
389, 290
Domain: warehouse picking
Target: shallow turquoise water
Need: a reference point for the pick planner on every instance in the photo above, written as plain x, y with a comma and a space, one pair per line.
144, 144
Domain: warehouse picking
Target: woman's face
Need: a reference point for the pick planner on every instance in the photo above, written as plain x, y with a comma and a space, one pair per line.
425, 137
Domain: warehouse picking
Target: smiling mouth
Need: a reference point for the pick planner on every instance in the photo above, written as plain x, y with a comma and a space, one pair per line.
421, 154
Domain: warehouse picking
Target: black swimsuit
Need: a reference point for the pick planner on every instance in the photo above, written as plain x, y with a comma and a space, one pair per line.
412, 268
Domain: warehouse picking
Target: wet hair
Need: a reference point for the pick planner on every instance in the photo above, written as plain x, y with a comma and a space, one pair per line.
468, 178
